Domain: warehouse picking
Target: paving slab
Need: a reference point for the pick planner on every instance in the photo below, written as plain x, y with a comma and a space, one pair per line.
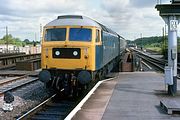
130, 96
137, 97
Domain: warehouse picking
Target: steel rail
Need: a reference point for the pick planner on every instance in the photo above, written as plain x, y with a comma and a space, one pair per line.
19, 86
12, 80
36, 109
154, 61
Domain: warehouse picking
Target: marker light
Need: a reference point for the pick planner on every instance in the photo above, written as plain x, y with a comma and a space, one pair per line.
57, 53
75, 53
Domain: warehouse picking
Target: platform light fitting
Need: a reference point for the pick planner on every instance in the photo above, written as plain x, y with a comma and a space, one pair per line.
8, 97
8, 100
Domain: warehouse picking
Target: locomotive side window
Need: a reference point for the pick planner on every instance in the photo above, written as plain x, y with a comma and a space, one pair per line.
55, 34
80, 34
97, 36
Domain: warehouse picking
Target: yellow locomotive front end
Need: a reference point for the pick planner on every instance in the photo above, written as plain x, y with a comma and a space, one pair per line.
68, 53
68, 48
68, 57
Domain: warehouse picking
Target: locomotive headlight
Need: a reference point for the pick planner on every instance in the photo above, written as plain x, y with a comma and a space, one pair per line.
57, 53
75, 53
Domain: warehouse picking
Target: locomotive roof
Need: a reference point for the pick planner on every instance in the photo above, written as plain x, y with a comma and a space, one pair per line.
73, 20
78, 20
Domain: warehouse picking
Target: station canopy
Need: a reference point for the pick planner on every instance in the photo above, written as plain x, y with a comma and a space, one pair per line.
175, 1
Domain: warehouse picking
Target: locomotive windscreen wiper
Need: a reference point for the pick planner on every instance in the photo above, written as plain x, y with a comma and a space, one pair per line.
80, 30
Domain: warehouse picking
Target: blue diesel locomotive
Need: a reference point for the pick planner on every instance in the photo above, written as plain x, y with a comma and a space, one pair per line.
76, 51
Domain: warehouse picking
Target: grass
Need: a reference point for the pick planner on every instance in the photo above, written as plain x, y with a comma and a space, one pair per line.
157, 49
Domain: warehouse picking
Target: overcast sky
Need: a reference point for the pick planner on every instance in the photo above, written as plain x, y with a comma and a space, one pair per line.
129, 18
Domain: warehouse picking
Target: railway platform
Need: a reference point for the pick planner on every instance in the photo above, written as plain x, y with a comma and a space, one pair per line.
130, 96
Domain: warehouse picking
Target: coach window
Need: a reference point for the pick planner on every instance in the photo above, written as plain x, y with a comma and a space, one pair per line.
97, 36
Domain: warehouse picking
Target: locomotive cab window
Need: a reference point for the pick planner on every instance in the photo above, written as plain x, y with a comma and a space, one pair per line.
97, 36
80, 34
55, 34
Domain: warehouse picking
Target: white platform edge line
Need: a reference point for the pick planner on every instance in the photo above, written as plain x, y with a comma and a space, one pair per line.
78, 107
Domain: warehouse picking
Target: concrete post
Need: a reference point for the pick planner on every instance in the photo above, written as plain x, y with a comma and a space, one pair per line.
172, 55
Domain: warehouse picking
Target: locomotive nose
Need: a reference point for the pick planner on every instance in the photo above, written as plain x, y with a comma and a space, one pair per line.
84, 77
45, 76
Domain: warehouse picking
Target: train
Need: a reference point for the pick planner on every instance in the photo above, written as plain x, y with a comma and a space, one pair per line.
77, 51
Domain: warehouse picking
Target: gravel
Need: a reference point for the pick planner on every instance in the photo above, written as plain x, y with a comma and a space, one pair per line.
26, 98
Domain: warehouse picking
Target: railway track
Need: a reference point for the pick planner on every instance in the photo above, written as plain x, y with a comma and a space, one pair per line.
59, 109
7, 80
50, 109
11, 84
158, 63
155, 63
54, 108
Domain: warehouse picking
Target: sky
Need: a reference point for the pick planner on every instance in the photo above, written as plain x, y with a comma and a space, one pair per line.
129, 18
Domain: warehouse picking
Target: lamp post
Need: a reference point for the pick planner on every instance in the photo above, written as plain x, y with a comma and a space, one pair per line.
7, 42
141, 41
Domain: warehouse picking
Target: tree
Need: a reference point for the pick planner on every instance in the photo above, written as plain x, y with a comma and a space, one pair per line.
16, 41
27, 41
11, 40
